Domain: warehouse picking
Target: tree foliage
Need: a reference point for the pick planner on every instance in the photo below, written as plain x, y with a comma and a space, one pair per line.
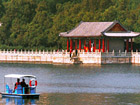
36, 24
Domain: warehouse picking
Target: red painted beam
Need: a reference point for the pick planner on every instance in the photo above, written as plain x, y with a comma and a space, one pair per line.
90, 45
80, 44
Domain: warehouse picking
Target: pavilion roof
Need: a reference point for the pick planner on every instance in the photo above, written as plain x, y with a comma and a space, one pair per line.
96, 29
129, 34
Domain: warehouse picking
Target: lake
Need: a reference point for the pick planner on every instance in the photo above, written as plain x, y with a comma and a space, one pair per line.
79, 84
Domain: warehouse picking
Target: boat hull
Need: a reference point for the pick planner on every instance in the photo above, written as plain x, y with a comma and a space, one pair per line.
5, 95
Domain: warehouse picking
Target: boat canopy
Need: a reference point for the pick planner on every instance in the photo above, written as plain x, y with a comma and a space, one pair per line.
19, 76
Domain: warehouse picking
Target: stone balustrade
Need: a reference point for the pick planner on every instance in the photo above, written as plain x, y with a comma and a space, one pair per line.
65, 57
35, 56
135, 57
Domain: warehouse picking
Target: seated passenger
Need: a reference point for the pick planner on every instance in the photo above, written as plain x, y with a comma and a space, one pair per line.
23, 84
16, 84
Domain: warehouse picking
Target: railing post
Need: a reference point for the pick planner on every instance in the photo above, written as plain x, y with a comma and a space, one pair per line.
35, 51
11, 51
119, 52
113, 52
21, 51
28, 51
66, 52
53, 51
7, 51
17, 51
32, 51
137, 52
125, 52
131, 51
39, 51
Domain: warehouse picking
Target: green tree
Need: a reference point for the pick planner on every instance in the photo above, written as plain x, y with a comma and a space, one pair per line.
38, 29
2, 9
37, 23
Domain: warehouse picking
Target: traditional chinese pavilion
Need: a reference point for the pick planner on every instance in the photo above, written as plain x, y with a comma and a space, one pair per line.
100, 36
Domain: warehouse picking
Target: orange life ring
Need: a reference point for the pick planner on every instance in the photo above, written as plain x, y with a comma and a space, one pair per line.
33, 83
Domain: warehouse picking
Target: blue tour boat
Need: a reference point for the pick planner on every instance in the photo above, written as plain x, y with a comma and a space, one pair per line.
20, 92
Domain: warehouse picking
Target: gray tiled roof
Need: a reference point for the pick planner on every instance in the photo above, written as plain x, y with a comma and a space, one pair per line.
87, 29
95, 29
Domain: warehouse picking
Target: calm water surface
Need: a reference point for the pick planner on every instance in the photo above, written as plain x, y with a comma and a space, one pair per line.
79, 84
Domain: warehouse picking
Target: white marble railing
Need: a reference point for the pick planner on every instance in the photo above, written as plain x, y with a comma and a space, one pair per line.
34, 56
135, 57
90, 57
49, 56
64, 56
116, 54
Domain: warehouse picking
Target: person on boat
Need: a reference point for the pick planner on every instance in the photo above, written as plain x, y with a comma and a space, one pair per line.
23, 84
16, 84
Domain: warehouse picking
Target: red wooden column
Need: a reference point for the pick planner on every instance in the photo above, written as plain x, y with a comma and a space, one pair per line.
108, 45
127, 47
94, 45
103, 44
80, 44
90, 45
75, 44
71, 44
99, 45
131, 44
67, 44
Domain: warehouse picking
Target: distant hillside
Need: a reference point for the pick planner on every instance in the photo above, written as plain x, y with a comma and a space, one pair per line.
36, 24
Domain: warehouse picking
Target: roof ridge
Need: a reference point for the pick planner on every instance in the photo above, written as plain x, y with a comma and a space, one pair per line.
99, 22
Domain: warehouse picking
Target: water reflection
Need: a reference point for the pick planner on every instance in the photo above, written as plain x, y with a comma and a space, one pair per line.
19, 101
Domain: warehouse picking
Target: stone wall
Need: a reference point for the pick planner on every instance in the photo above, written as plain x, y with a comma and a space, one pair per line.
65, 58
135, 58
116, 57
90, 57
50, 57
31, 56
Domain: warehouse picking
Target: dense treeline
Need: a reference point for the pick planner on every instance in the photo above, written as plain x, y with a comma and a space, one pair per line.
36, 24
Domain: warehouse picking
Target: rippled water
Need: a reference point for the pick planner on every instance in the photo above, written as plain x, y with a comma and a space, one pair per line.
80, 84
